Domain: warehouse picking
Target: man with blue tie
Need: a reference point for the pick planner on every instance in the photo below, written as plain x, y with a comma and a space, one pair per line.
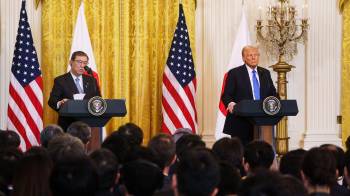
73, 83
246, 82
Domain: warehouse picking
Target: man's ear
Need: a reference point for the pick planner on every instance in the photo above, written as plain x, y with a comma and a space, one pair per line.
174, 182
304, 179
117, 178
245, 165
215, 192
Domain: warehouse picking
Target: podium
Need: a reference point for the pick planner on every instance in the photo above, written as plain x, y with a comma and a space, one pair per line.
78, 110
253, 111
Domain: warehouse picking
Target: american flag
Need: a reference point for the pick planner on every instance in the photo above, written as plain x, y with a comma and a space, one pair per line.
25, 108
179, 82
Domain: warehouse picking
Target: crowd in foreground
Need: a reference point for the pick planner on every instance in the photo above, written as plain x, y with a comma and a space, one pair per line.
180, 164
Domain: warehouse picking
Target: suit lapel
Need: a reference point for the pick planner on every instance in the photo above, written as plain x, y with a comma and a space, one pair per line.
85, 83
262, 82
246, 81
71, 84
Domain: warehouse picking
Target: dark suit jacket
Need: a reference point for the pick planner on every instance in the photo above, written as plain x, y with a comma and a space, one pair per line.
238, 88
64, 87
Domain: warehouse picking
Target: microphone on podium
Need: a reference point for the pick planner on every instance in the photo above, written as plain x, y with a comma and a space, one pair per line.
88, 70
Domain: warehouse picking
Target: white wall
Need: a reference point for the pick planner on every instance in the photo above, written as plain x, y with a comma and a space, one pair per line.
314, 83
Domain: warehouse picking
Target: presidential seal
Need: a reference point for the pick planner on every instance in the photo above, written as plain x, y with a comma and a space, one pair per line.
271, 105
97, 106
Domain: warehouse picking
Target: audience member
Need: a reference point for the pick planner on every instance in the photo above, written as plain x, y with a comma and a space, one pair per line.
292, 186
258, 155
230, 150
337, 189
188, 142
80, 130
347, 168
132, 133
141, 177
180, 132
107, 171
117, 144
198, 173
163, 148
65, 146
230, 179
9, 139
270, 183
32, 174
291, 163
318, 171
48, 133
9, 159
74, 176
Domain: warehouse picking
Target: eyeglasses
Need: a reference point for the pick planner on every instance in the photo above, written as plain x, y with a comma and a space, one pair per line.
82, 62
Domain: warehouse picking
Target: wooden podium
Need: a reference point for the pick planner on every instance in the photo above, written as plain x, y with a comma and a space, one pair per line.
78, 110
253, 111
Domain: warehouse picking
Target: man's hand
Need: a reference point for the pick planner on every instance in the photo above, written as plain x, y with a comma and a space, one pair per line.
230, 107
61, 102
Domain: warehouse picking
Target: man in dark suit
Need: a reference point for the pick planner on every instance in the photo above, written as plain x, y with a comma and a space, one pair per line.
246, 82
73, 82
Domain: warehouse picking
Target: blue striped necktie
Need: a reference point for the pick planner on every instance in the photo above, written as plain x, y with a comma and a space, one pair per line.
78, 85
256, 86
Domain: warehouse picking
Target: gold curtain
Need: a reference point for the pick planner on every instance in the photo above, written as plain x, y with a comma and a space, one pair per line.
130, 40
345, 86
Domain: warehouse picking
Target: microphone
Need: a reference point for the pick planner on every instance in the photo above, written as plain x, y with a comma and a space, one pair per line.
88, 70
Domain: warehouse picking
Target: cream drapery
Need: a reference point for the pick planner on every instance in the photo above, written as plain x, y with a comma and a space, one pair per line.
130, 40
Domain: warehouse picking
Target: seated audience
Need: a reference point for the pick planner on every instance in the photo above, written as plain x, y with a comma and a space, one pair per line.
9, 139
32, 174
163, 148
118, 145
318, 171
258, 155
180, 132
132, 133
230, 150
197, 173
141, 177
230, 179
188, 142
337, 189
9, 159
73, 176
347, 168
65, 146
48, 133
270, 183
107, 170
291, 163
80, 130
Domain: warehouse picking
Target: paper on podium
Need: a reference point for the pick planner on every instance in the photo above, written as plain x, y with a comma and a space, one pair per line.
79, 96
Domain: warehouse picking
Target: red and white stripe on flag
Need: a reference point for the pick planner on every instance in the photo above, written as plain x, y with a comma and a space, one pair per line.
242, 39
179, 83
25, 107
